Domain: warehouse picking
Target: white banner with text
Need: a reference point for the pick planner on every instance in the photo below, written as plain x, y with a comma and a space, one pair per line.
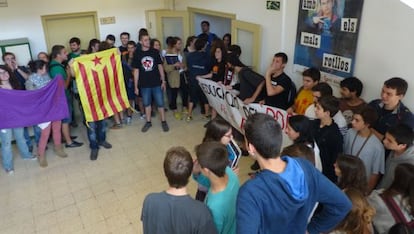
232, 109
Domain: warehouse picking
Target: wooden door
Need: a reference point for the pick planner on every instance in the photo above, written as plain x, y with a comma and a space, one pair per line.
58, 29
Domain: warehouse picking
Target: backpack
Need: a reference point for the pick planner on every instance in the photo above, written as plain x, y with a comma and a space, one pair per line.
396, 211
292, 94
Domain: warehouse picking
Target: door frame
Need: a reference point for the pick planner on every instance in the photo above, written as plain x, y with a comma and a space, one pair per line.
159, 14
46, 18
192, 11
255, 29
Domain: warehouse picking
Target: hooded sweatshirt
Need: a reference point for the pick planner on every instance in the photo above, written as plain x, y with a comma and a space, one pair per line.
282, 202
392, 162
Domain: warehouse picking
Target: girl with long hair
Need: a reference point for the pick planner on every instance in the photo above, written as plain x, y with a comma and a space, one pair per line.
396, 203
38, 79
299, 130
9, 81
359, 219
350, 171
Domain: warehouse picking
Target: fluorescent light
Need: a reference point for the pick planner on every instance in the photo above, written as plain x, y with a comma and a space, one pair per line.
409, 3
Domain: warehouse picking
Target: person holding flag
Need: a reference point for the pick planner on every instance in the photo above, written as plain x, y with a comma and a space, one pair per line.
102, 92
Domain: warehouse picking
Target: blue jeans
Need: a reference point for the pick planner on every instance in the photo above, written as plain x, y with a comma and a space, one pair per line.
96, 133
6, 147
154, 92
37, 131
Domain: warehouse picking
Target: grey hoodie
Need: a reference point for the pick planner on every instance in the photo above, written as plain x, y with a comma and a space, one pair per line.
392, 162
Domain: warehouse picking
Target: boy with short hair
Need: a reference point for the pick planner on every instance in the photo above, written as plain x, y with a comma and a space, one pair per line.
362, 143
327, 134
351, 89
398, 139
278, 85
174, 211
390, 108
149, 80
304, 98
320, 90
110, 39
223, 185
282, 196
123, 48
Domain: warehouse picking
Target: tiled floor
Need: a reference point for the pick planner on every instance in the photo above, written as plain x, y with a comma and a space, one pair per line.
76, 195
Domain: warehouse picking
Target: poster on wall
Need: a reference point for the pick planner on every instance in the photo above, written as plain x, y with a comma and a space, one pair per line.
327, 36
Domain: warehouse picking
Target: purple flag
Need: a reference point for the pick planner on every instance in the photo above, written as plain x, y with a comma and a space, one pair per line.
22, 108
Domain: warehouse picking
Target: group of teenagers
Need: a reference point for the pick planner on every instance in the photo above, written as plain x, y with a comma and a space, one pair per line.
289, 194
349, 169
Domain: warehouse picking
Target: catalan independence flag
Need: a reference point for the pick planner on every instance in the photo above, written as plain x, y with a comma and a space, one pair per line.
101, 84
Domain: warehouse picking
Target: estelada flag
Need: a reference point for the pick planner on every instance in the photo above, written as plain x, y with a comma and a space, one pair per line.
101, 85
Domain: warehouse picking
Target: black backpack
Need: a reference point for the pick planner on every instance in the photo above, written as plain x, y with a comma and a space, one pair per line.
292, 94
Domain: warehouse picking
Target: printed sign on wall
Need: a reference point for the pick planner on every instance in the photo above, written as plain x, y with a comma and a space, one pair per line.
327, 35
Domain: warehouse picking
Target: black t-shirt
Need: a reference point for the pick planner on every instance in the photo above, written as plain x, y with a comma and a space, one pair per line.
280, 100
249, 80
123, 49
218, 70
147, 62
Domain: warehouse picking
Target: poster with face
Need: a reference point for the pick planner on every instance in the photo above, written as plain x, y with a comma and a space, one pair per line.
327, 35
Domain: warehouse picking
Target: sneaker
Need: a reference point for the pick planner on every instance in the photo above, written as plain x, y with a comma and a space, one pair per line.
178, 116
10, 171
116, 126
146, 127
164, 126
32, 157
143, 116
106, 145
42, 161
206, 117
189, 118
129, 120
94, 154
59, 151
74, 144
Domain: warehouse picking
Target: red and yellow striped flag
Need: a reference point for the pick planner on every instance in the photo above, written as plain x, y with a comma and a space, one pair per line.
101, 84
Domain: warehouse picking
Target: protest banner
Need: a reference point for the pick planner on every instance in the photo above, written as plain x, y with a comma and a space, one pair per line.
22, 108
232, 109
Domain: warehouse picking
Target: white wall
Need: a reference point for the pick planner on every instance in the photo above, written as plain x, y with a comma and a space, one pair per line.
385, 41
22, 18
250, 11
384, 47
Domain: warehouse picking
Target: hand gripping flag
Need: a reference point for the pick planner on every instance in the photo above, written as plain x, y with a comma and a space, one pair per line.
101, 84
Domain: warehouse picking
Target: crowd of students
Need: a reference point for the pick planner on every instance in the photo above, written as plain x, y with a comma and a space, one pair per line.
357, 156
362, 150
